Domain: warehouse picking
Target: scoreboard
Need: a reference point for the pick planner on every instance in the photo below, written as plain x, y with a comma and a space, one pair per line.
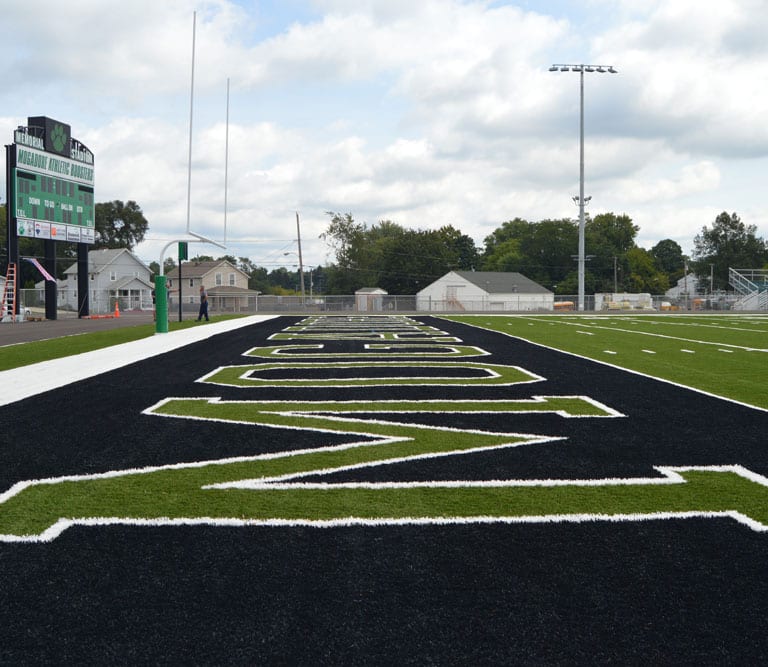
53, 196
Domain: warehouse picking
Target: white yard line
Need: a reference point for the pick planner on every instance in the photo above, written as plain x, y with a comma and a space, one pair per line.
667, 336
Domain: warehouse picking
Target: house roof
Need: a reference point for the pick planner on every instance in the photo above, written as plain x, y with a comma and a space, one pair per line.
124, 283
200, 269
98, 260
230, 290
502, 282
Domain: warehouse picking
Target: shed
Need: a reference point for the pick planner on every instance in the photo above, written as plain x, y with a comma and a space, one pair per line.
369, 299
484, 290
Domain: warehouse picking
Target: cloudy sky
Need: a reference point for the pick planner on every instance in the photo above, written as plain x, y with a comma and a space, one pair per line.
424, 113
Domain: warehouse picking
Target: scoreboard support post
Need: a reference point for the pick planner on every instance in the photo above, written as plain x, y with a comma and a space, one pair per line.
83, 284
51, 295
12, 239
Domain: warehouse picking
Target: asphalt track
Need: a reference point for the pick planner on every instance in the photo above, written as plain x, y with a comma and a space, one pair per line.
34, 330
680, 591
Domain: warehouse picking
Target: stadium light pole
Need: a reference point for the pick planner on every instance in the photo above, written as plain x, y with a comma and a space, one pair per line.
580, 201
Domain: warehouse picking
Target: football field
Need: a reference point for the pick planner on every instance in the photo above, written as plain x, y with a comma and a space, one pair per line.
397, 490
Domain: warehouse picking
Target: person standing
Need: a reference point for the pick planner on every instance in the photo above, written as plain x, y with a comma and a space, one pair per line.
203, 304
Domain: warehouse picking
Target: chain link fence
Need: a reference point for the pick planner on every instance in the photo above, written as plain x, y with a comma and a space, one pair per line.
103, 302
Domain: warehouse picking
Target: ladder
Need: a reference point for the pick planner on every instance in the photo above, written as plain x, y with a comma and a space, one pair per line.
8, 311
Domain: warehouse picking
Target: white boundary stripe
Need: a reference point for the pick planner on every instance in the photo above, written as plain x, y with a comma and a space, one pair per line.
20, 383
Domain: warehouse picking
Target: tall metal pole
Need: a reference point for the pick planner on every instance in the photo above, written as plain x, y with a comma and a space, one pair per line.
301, 261
191, 105
226, 165
581, 190
582, 201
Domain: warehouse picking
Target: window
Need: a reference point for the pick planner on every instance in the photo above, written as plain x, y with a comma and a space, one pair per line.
191, 282
219, 279
113, 275
231, 279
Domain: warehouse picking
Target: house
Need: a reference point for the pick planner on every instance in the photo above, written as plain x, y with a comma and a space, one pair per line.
484, 290
226, 285
113, 273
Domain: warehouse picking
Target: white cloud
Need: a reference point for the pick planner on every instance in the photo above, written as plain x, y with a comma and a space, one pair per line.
428, 113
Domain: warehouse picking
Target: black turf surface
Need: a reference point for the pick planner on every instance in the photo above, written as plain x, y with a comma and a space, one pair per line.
662, 592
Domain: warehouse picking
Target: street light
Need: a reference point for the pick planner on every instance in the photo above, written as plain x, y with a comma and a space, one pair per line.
580, 200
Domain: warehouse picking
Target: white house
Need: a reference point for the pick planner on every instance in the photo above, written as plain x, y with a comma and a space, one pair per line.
484, 290
113, 273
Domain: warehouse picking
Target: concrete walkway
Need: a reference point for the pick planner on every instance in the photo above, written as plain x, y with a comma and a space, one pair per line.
20, 383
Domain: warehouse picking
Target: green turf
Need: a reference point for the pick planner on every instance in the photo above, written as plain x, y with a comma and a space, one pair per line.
726, 355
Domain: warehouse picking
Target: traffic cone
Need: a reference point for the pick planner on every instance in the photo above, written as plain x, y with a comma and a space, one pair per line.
117, 308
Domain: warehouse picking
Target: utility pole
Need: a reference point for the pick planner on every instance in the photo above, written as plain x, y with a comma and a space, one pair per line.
301, 261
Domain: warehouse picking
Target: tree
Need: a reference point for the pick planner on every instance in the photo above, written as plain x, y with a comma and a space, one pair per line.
644, 276
343, 236
608, 239
169, 265
616, 231
119, 225
259, 280
729, 243
395, 258
669, 258
462, 248
512, 229
542, 251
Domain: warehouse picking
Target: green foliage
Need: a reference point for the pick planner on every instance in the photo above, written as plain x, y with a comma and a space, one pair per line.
669, 258
729, 243
387, 255
546, 251
119, 225
609, 238
542, 251
644, 276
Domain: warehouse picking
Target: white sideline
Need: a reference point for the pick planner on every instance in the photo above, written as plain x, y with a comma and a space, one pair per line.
20, 383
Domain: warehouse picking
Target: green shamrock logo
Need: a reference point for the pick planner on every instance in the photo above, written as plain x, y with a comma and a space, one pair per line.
58, 138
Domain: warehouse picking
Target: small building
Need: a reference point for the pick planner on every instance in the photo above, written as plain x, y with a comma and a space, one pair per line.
225, 284
484, 290
687, 286
370, 299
